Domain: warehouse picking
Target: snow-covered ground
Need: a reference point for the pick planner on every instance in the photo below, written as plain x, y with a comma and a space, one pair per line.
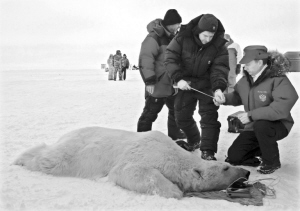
41, 105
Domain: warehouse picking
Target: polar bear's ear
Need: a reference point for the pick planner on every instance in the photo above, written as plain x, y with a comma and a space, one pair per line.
197, 173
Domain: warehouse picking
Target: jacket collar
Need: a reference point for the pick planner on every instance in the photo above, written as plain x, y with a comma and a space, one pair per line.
256, 76
158, 28
266, 73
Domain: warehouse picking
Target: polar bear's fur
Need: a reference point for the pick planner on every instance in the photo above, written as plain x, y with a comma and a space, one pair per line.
148, 162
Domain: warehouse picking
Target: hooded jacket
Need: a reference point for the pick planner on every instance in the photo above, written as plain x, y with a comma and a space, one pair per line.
151, 59
235, 55
110, 61
271, 97
205, 66
117, 60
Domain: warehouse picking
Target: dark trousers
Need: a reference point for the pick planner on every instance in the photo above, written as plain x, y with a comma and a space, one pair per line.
262, 141
150, 112
185, 105
124, 73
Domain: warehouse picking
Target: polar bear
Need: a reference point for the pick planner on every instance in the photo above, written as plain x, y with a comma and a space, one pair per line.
148, 162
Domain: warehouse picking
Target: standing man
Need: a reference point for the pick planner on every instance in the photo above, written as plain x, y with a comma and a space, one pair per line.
268, 97
125, 66
158, 85
235, 55
111, 69
117, 65
197, 58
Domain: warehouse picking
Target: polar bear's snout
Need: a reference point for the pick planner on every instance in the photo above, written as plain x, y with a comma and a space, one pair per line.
241, 172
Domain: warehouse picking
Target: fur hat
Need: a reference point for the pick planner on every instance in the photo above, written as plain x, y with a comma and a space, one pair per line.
171, 17
208, 22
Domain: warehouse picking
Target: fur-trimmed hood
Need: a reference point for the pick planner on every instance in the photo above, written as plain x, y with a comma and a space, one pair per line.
157, 27
279, 64
191, 30
191, 27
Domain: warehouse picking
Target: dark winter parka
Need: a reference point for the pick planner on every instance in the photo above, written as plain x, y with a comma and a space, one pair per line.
151, 59
124, 62
271, 97
206, 66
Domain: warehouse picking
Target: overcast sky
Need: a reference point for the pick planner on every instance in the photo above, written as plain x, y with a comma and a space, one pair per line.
109, 25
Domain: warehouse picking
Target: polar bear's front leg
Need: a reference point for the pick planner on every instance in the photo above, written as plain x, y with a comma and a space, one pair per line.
144, 180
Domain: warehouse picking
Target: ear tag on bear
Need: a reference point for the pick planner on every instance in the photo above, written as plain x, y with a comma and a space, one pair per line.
209, 62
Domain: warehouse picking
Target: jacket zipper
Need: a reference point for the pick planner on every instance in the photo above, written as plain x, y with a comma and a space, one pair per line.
197, 54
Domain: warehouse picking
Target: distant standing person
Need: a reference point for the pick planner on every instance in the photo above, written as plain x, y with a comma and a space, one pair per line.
117, 65
125, 66
111, 69
153, 72
235, 55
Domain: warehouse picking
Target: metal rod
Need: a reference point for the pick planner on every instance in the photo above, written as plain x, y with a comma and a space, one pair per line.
202, 92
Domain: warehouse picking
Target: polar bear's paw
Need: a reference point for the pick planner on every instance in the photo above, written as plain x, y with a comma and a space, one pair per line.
159, 185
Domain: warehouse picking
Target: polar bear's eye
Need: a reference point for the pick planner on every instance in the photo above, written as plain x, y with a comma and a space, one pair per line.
226, 168
197, 173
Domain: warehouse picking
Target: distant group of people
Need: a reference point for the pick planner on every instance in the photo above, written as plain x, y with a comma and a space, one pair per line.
117, 65
177, 61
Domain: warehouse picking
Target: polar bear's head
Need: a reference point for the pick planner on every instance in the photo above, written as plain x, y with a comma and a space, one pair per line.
210, 176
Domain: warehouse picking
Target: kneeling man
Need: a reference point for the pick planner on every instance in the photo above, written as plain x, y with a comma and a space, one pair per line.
268, 97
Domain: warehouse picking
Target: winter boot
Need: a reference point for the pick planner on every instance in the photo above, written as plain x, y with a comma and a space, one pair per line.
183, 145
264, 168
187, 146
208, 155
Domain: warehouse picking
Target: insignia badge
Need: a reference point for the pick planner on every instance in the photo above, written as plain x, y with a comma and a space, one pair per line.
262, 97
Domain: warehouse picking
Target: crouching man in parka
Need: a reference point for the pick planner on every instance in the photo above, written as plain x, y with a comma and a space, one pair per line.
268, 97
